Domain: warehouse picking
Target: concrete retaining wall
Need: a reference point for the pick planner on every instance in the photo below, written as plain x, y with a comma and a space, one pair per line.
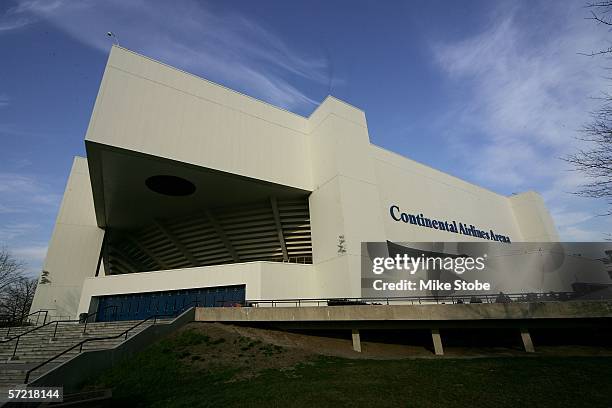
460, 312
75, 372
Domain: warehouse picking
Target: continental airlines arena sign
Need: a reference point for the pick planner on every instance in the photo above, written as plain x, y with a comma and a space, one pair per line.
445, 225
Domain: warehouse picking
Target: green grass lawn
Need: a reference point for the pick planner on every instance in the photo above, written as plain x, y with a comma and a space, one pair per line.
172, 373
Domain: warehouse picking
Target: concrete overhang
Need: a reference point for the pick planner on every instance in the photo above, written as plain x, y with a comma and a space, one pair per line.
428, 315
122, 200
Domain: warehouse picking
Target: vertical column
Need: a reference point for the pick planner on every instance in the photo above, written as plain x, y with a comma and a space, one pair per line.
526, 338
345, 207
356, 341
533, 218
437, 342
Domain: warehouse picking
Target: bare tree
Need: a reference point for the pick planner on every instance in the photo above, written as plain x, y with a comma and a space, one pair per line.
601, 13
16, 290
11, 270
17, 299
595, 161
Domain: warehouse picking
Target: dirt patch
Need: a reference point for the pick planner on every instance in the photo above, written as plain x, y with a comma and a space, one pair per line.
298, 346
332, 346
213, 346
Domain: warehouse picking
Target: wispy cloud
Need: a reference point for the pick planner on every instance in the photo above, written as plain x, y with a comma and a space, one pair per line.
22, 193
24, 13
33, 256
4, 209
228, 48
577, 233
529, 91
27, 207
10, 232
14, 20
4, 100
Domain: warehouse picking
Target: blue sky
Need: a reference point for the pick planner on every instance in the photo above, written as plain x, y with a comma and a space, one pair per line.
492, 92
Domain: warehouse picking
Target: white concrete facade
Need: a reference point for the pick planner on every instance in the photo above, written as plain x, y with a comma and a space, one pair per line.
148, 108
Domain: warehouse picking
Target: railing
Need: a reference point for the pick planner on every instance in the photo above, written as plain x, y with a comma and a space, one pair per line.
229, 303
114, 307
299, 259
87, 317
37, 313
19, 336
81, 343
412, 300
56, 322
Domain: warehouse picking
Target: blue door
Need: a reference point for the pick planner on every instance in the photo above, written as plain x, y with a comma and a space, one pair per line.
139, 306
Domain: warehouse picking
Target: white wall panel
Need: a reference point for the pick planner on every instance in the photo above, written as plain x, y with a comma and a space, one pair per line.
74, 248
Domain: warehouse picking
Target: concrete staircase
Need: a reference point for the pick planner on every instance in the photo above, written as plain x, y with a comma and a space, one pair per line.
37, 346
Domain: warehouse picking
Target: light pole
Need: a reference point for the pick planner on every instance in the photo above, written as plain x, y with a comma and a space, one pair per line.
113, 36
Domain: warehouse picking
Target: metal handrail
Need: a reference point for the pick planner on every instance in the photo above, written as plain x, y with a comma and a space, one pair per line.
441, 299
19, 336
38, 312
80, 344
95, 313
46, 312
56, 322
36, 328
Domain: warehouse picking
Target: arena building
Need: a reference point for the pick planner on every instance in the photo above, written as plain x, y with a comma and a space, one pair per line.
192, 191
